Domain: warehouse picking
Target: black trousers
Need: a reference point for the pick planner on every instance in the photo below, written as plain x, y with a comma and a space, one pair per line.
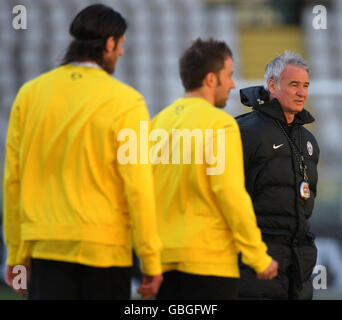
185, 286
55, 280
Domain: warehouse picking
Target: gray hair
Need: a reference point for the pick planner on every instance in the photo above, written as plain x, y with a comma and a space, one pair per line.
275, 68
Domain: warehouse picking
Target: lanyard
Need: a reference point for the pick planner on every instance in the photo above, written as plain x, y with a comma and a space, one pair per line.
298, 155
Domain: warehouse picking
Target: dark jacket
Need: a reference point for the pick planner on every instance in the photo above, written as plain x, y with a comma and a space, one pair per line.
273, 179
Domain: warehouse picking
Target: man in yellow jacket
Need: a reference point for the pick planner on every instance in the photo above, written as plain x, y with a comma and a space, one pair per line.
204, 214
71, 207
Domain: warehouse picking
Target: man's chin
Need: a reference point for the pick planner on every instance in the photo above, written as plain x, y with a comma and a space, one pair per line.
221, 104
298, 108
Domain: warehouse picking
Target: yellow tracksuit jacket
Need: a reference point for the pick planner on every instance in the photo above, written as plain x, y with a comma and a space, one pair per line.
205, 218
66, 195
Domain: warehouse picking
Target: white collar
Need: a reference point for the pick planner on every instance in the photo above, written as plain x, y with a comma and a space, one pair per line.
87, 64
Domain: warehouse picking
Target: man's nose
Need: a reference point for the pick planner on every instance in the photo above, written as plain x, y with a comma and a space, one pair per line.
301, 92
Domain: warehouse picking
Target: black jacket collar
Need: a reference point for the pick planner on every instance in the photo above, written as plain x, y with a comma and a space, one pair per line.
258, 98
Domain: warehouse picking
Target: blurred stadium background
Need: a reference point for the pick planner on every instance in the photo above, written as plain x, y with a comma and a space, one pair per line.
159, 30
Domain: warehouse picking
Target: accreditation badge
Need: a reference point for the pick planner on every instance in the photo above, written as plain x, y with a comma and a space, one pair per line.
304, 190
309, 147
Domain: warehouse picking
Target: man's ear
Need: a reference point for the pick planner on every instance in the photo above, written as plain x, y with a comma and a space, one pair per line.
210, 80
110, 44
272, 86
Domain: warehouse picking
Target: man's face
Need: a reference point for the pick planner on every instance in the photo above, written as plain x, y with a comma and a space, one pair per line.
224, 84
292, 90
112, 57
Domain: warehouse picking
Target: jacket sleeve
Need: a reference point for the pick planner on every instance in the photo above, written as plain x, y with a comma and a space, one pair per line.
11, 185
234, 201
137, 175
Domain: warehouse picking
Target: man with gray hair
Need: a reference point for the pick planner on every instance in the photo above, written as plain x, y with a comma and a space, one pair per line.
280, 158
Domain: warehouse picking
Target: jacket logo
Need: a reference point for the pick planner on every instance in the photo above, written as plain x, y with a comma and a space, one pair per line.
309, 147
278, 146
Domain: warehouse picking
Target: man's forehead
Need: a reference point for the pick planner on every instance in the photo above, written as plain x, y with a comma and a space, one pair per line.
295, 73
229, 63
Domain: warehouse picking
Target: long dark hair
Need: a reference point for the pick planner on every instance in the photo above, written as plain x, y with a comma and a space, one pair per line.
91, 28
